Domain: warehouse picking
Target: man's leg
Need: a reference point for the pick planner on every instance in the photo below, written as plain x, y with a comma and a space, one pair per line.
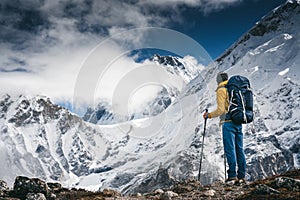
229, 147
240, 155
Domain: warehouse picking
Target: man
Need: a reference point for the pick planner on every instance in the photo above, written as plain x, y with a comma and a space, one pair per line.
232, 134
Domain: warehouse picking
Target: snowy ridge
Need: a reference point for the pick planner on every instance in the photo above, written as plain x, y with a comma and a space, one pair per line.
293, 1
282, 20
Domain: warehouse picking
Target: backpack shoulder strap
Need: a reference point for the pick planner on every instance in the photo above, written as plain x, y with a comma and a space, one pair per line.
219, 87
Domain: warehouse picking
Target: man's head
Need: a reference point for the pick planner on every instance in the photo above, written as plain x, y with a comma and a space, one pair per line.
222, 76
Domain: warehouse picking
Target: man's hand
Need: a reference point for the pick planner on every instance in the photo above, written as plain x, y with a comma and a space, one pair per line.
205, 115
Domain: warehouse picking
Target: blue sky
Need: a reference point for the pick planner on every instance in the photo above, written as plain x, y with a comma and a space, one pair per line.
46, 44
219, 29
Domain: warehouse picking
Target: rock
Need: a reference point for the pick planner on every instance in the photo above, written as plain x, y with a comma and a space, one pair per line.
139, 195
288, 183
110, 193
53, 196
210, 193
24, 185
228, 189
158, 191
3, 188
54, 187
264, 189
37, 196
168, 195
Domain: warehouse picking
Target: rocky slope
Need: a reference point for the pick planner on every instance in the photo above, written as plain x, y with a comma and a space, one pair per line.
284, 186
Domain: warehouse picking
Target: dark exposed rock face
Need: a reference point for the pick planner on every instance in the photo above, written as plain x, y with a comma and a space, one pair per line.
168, 60
101, 113
44, 110
24, 187
272, 22
275, 163
263, 167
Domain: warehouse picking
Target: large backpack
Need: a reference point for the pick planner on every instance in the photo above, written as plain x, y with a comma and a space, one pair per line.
240, 109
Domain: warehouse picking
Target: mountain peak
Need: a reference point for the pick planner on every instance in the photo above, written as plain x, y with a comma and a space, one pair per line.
293, 1
185, 67
282, 20
26, 109
167, 60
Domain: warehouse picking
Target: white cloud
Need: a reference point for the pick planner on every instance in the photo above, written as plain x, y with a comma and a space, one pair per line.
54, 49
193, 61
205, 6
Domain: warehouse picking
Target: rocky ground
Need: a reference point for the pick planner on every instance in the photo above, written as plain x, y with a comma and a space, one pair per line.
285, 186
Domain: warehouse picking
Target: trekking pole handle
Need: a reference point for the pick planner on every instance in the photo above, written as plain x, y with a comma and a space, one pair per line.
206, 111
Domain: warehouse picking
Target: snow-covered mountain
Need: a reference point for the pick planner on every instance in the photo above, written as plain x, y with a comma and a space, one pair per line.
184, 68
41, 139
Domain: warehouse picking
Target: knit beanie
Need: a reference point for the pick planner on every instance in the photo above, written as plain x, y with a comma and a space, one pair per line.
222, 76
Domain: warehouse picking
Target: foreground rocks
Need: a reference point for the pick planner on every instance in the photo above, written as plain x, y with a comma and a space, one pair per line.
285, 186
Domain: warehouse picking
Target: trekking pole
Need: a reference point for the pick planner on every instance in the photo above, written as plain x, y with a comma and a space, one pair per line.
201, 155
225, 164
224, 155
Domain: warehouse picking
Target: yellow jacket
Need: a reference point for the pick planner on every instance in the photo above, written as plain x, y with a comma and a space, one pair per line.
222, 102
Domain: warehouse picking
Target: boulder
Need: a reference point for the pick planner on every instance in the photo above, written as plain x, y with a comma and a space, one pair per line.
35, 196
3, 188
168, 195
210, 193
24, 185
110, 193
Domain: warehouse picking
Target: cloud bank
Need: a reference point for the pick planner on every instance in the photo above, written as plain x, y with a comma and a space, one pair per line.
44, 43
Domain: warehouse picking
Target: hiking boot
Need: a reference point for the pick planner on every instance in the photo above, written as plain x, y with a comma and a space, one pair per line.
241, 181
231, 181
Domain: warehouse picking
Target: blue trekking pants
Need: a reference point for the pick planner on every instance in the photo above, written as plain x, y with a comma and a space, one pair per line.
234, 151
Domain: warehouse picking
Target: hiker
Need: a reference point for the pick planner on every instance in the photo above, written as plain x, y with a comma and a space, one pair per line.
232, 133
